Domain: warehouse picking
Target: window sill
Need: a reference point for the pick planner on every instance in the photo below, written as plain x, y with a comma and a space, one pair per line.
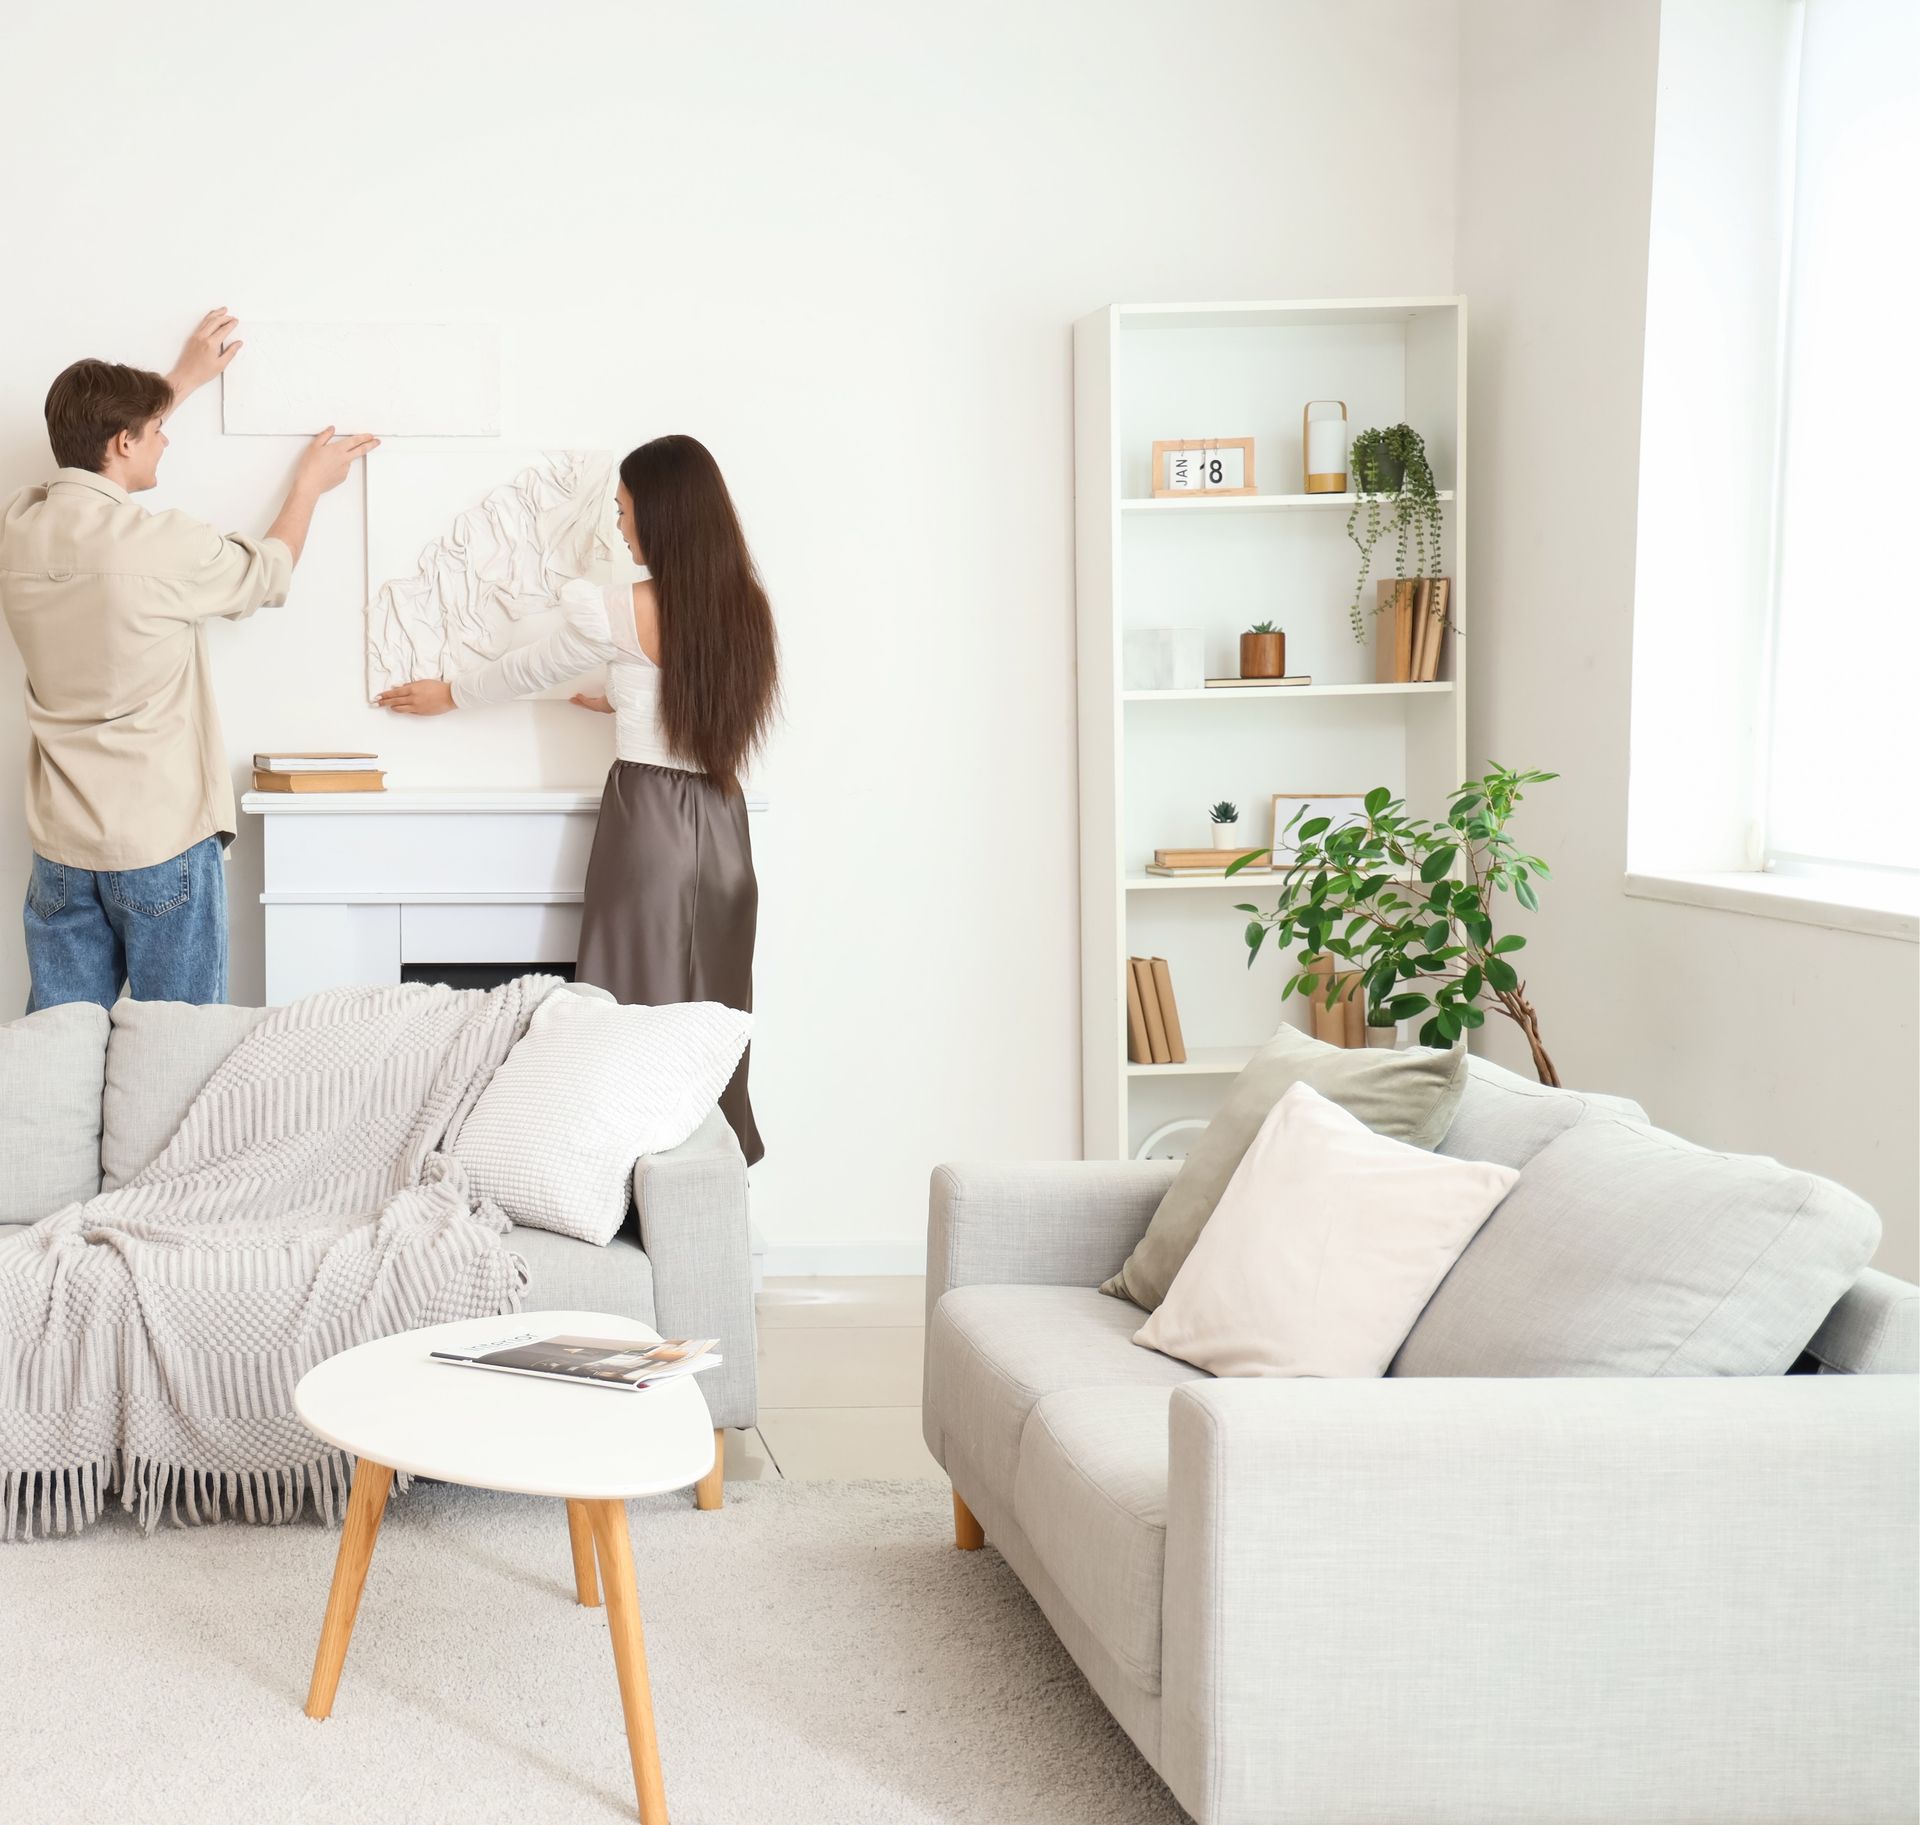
1798, 898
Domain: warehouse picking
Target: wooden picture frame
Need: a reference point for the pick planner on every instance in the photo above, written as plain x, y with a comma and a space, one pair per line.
1342, 807
1171, 484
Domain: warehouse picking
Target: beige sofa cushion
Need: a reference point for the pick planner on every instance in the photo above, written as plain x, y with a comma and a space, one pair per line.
1408, 1096
51, 1066
1091, 1497
1325, 1246
1507, 1118
994, 1352
160, 1054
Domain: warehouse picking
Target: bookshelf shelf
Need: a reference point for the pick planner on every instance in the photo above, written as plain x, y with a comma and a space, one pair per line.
1247, 503
1148, 774
1186, 883
1202, 1061
1259, 693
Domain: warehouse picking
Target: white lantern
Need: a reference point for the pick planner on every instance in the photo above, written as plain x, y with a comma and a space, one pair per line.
1323, 442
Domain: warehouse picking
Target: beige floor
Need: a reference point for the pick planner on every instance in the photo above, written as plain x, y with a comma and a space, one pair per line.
839, 1382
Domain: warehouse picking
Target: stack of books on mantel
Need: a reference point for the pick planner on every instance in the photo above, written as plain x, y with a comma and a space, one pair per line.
1153, 1017
318, 773
1209, 861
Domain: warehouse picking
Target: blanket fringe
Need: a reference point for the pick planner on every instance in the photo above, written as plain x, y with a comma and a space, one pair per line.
35, 1504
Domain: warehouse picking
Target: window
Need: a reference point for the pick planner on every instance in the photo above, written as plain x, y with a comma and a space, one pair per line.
1843, 746
1775, 747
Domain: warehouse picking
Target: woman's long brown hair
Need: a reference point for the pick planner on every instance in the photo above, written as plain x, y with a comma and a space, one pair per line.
719, 657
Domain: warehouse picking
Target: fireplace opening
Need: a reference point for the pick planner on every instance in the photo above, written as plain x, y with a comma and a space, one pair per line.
481, 975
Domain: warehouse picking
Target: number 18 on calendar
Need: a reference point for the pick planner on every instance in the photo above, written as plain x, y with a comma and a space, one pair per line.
1202, 465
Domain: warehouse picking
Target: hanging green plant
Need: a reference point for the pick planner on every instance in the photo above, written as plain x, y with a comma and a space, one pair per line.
1394, 492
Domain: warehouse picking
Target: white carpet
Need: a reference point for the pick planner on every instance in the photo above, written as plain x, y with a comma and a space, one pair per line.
820, 1652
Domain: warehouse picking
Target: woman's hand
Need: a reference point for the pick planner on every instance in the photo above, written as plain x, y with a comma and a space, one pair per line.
589, 702
423, 697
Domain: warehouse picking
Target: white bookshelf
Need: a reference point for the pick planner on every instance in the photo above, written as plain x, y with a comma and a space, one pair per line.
1152, 761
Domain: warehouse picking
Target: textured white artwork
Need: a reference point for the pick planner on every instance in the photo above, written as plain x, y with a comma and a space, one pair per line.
466, 550
393, 379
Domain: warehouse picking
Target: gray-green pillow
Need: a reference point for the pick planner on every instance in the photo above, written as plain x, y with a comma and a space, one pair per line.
1408, 1096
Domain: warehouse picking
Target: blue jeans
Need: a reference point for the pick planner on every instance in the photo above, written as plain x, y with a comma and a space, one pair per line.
160, 930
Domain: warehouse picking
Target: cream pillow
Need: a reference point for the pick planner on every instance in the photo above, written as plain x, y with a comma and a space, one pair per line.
1323, 1250
590, 1088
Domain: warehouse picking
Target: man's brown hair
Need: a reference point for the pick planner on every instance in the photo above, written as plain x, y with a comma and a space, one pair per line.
92, 402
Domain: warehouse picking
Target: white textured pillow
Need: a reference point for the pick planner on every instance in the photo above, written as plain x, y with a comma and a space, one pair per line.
590, 1088
1324, 1248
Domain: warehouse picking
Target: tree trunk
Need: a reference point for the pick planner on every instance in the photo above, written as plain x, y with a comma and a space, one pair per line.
1519, 1010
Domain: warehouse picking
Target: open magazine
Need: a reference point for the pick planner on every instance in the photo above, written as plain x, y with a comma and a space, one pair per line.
599, 1362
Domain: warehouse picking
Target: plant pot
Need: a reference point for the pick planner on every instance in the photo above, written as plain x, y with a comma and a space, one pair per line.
1227, 836
1263, 655
1384, 1037
1377, 472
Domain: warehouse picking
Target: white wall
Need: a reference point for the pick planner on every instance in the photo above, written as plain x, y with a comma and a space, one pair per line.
841, 243
1737, 1031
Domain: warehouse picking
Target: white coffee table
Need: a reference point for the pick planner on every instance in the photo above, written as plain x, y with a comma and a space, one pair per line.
392, 1407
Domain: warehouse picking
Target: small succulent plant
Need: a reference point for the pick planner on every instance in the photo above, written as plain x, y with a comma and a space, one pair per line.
1263, 627
1226, 812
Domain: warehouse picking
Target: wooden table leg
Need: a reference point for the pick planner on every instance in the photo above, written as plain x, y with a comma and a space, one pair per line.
629, 1656
365, 1506
580, 1531
968, 1534
711, 1490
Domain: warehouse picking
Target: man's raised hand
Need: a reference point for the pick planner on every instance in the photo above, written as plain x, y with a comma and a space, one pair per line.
324, 462
206, 353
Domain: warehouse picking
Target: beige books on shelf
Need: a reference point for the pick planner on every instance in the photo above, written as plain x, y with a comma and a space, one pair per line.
1170, 1014
1249, 684
1139, 1052
320, 761
1436, 594
1410, 629
1150, 1004
1211, 861
264, 781
1153, 1017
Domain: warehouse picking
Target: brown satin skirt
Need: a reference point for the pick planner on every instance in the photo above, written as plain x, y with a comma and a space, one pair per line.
671, 903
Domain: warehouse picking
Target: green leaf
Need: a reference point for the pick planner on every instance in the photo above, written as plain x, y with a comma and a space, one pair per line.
1438, 862
1512, 942
1462, 805
1502, 975
1470, 982
1255, 934
1523, 892
1308, 984
1243, 907
1437, 934
1430, 1034
1449, 1024
1473, 1017
1378, 800
1404, 1007
1312, 828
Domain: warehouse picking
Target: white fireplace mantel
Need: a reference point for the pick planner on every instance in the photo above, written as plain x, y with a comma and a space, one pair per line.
358, 885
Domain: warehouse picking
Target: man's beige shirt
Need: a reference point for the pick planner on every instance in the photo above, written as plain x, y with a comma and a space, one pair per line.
108, 604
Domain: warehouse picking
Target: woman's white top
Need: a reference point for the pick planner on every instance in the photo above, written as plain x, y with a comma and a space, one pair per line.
598, 630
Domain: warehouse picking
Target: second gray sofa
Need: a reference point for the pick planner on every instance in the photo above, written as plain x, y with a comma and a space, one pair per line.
1440, 1600
86, 1100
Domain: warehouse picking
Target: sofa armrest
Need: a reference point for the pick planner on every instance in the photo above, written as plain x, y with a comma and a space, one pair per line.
1051, 1223
1452, 1600
691, 1204
1874, 1330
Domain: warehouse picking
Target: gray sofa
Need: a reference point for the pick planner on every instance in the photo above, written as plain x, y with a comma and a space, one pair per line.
1438, 1601
86, 1101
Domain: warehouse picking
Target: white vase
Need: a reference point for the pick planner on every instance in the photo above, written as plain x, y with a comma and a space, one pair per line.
1227, 836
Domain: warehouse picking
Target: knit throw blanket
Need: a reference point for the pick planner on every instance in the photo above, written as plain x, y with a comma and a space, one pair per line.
151, 1337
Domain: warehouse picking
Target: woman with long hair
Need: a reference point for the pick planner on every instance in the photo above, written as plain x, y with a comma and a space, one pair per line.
693, 681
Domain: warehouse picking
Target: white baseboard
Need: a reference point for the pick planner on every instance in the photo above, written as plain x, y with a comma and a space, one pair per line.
837, 1258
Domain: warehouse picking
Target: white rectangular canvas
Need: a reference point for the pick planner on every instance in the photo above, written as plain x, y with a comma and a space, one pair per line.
467, 547
392, 379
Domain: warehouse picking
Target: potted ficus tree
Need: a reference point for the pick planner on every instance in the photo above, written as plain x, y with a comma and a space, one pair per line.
1225, 818
1394, 492
1407, 904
